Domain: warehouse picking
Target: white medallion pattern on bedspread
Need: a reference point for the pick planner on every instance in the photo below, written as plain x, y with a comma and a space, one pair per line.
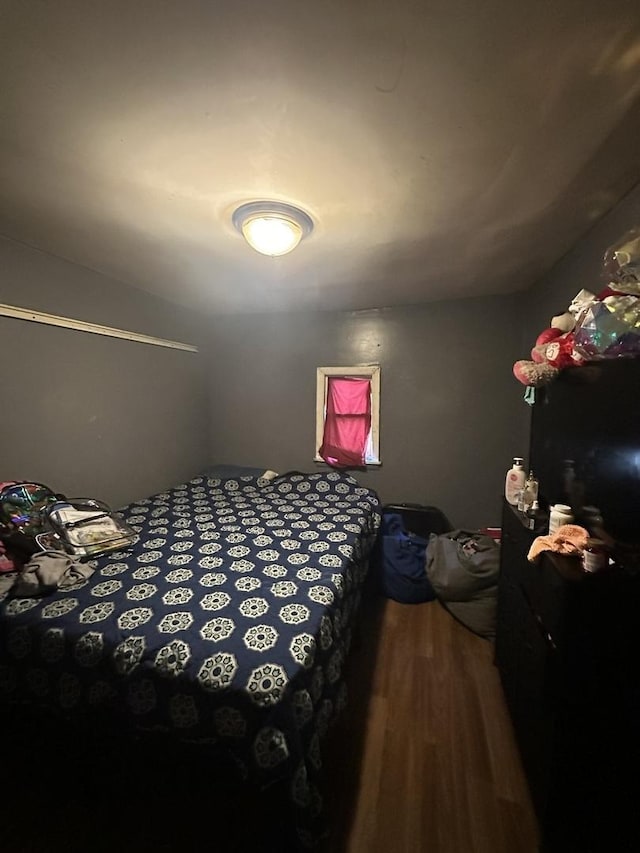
226, 624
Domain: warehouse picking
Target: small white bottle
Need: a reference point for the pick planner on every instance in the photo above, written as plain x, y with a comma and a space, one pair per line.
514, 483
560, 514
535, 516
530, 493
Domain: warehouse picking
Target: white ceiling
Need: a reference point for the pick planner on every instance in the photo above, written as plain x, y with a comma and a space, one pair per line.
444, 148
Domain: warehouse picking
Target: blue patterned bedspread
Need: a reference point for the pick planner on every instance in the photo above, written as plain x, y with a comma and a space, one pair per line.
227, 623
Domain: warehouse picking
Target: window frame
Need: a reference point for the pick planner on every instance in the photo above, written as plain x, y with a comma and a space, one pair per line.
361, 371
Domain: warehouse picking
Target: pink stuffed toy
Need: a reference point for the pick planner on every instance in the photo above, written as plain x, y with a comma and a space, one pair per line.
553, 350
544, 338
559, 353
530, 373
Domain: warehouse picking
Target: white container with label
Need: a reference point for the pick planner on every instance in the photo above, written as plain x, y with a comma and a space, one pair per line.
560, 514
594, 556
514, 483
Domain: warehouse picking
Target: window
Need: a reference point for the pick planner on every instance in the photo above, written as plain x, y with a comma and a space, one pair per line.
341, 414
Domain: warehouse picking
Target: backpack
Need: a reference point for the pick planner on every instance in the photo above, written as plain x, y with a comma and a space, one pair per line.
34, 518
23, 518
84, 527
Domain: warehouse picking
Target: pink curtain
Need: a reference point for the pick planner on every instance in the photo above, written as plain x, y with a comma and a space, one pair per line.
347, 421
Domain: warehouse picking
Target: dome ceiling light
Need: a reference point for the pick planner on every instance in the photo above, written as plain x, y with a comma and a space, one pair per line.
272, 227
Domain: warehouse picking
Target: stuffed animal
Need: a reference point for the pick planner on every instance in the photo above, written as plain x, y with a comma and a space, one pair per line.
553, 350
593, 327
599, 326
532, 373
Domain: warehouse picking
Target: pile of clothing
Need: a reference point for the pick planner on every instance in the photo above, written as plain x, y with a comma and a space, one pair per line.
44, 573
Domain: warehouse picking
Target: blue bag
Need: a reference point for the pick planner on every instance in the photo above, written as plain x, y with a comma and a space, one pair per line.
402, 572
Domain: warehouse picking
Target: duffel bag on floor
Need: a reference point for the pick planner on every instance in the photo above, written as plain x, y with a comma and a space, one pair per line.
420, 519
463, 568
401, 562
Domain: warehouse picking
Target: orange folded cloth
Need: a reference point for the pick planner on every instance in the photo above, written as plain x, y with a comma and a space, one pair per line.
569, 539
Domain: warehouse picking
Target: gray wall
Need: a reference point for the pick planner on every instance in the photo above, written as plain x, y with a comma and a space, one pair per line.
449, 401
121, 420
90, 415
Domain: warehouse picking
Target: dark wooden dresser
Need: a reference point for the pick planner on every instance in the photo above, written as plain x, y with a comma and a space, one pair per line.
568, 652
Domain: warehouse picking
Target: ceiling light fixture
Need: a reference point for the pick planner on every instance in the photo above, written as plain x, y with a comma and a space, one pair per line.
272, 227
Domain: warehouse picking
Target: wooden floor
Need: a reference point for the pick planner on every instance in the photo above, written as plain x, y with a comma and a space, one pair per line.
425, 760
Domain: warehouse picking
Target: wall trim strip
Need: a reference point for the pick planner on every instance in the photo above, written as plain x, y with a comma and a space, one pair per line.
93, 328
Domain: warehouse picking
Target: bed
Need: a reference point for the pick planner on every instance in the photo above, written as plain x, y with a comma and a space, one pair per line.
226, 625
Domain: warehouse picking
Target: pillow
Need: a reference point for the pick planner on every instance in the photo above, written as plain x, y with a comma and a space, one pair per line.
228, 472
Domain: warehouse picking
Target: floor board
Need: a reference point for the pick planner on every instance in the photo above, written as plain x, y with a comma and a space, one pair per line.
425, 759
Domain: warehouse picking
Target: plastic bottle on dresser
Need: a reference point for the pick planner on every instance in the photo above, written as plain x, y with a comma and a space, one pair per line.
530, 490
514, 483
536, 518
560, 514
592, 520
529, 493
594, 556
